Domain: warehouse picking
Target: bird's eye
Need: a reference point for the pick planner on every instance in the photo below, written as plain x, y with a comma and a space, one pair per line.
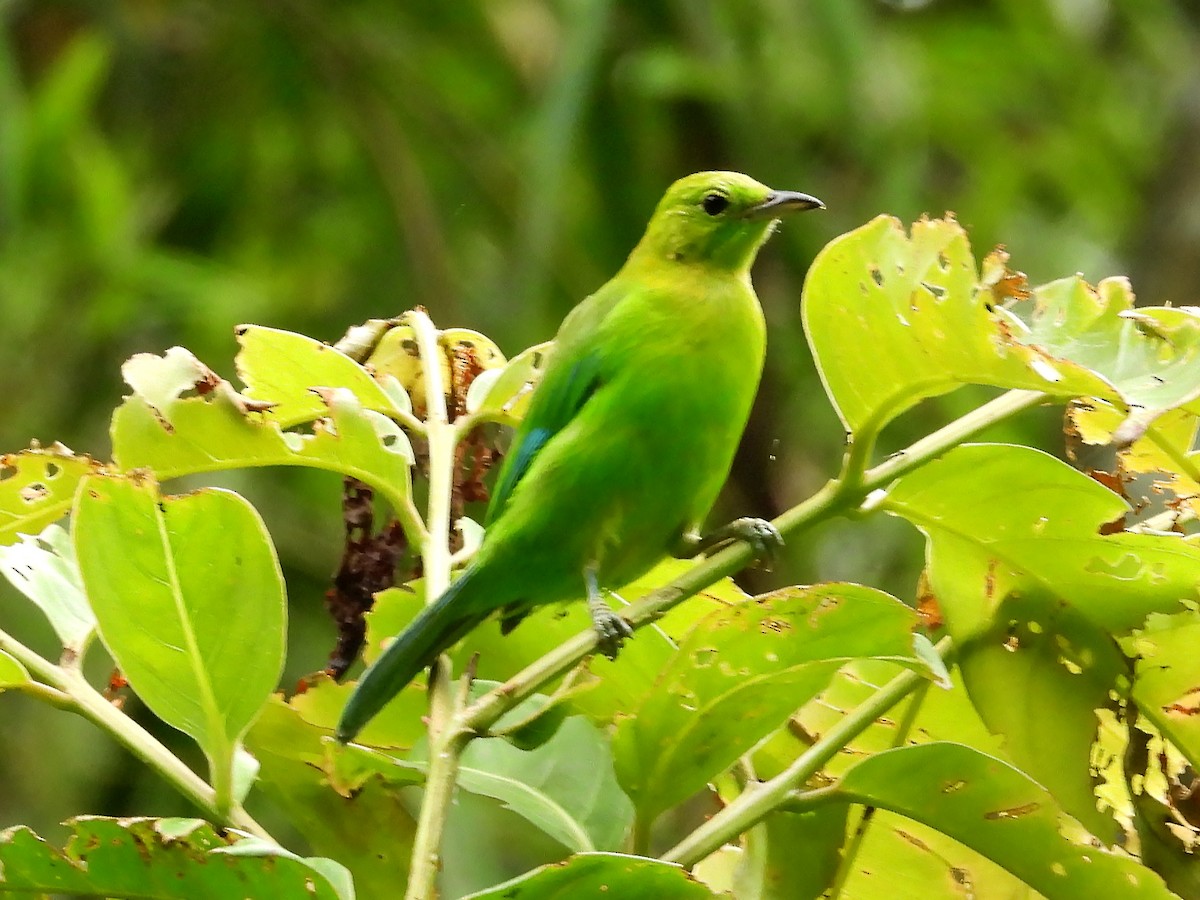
715, 204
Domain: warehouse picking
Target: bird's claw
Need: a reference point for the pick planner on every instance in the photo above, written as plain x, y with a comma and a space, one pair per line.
611, 631
760, 534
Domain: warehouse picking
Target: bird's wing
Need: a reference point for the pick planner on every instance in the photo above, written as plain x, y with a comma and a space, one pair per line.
555, 403
575, 370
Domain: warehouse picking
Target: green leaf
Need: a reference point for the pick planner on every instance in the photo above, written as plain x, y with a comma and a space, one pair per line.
163, 859
399, 724
901, 859
43, 568
893, 320
367, 828
1004, 519
215, 432
600, 875
1031, 592
542, 785
739, 674
282, 368
202, 644
792, 856
335, 873
997, 811
503, 393
37, 488
566, 787
12, 673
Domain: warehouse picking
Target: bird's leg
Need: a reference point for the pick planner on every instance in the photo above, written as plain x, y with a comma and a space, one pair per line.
760, 534
611, 629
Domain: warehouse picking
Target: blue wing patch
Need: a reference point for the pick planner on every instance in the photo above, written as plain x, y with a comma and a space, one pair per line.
556, 401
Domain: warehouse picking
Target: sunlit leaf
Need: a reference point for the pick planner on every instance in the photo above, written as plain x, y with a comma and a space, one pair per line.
282, 368
997, 811
1008, 518
207, 434
161, 380
189, 600
1167, 686
12, 673
894, 319
1031, 592
906, 860
37, 488
507, 390
1164, 449
399, 724
1150, 355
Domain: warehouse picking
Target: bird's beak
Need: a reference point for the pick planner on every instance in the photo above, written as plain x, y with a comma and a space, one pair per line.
783, 201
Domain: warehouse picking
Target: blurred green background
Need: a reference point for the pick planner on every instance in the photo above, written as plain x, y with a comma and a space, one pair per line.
169, 170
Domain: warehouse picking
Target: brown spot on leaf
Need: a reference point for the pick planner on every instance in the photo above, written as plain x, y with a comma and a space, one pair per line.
776, 626
913, 839
928, 607
989, 581
1013, 812
1187, 705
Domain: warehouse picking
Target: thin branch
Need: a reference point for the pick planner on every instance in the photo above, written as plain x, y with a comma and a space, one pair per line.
446, 738
832, 499
753, 805
67, 689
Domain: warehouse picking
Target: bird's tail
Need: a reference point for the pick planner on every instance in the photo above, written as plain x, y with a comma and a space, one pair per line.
434, 630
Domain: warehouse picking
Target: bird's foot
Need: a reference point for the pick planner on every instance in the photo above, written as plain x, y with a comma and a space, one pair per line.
763, 537
760, 534
611, 629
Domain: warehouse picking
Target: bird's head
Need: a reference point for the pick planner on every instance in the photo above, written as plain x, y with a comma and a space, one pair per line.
717, 218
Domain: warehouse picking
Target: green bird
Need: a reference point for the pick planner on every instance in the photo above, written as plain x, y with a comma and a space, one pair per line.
628, 438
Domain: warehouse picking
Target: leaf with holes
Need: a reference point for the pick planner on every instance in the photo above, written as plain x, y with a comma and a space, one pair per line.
739, 674
368, 828
1167, 683
997, 811
190, 603
1150, 355
1032, 592
894, 319
37, 487
164, 859
282, 368
213, 432
1163, 450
